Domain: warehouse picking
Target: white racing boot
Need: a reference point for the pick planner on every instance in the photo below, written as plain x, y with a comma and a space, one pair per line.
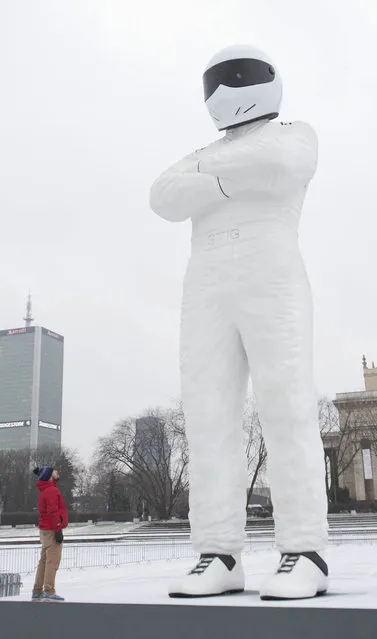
213, 575
299, 576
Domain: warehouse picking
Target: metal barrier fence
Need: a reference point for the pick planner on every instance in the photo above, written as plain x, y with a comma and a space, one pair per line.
10, 584
24, 559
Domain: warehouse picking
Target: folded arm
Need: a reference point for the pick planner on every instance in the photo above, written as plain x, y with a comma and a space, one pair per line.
292, 149
182, 191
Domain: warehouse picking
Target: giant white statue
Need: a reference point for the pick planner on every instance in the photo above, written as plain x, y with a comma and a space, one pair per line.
247, 311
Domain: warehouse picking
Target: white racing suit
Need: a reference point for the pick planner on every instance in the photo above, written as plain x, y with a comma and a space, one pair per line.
247, 309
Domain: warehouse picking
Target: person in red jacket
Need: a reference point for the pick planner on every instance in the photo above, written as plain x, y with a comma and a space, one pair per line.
53, 518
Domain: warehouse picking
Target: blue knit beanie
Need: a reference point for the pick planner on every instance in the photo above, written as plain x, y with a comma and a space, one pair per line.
43, 473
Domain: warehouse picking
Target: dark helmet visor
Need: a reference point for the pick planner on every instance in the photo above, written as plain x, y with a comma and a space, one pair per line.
243, 72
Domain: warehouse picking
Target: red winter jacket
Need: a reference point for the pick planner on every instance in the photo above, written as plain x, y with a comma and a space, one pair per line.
52, 510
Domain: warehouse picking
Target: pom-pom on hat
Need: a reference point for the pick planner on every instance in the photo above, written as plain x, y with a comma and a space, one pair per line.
43, 473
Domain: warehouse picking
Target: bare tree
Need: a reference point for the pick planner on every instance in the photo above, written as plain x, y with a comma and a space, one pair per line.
5, 472
345, 429
92, 487
255, 447
151, 452
15, 480
340, 444
85, 491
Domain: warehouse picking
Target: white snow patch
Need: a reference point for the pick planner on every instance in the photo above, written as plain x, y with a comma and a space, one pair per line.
353, 583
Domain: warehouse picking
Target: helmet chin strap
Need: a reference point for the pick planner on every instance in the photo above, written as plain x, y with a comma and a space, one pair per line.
268, 116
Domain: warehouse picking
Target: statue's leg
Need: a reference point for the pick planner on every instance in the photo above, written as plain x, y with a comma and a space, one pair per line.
214, 374
277, 333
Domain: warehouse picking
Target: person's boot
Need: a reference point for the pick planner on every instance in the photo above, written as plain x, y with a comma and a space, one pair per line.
213, 575
52, 598
299, 576
36, 596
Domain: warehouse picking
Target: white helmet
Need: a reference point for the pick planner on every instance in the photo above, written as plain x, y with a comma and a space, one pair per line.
241, 84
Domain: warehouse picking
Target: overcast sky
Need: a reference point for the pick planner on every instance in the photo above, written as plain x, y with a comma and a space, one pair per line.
97, 98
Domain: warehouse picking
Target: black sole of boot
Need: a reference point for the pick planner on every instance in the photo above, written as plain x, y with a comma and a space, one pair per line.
319, 594
180, 595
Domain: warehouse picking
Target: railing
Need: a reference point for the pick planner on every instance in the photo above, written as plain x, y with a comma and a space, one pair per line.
24, 559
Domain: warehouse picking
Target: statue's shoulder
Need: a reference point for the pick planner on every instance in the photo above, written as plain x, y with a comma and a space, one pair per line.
295, 128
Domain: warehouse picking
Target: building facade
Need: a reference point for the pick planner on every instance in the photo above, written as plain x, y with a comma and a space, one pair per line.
31, 387
351, 450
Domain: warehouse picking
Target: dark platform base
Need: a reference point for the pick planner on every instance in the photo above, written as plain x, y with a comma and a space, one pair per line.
119, 621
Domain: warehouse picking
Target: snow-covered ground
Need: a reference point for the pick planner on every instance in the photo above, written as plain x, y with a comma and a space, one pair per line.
353, 581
